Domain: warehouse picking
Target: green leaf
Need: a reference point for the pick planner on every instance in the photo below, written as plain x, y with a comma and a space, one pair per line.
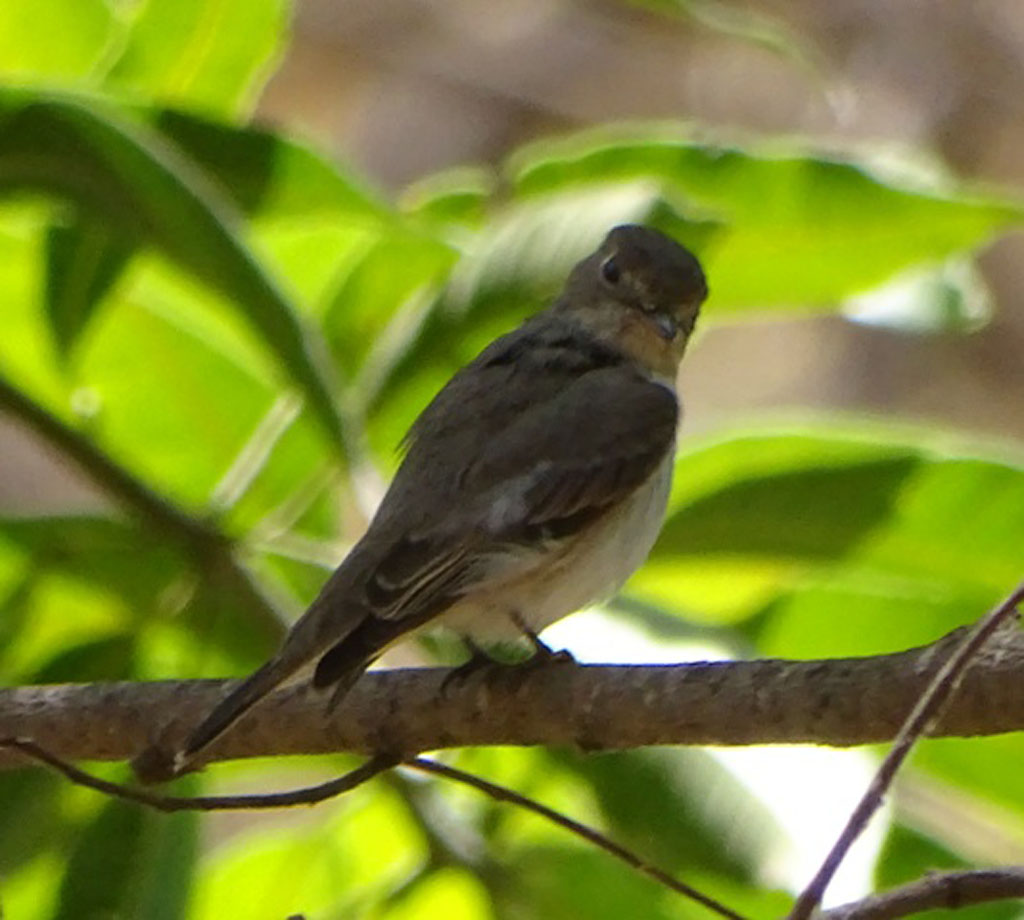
987, 768
741, 24
454, 196
94, 549
586, 884
83, 260
799, 229
53, 41
266, 174
26, 347
87, 607
130, 862
960, 521
173, 400
578, 882
211, 55
880, 514
142, 187
333, 867
33, 819
818, 509
374, 310
852, 613
453, 893
668, 806
950, 297
109, 658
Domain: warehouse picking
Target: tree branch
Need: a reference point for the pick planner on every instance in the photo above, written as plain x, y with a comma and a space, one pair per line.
940, 889
837, 702
941, 688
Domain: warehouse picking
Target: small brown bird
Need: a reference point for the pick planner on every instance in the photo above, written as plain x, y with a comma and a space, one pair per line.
533, 484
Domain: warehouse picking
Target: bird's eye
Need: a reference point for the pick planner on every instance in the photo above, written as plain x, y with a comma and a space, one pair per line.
610, 270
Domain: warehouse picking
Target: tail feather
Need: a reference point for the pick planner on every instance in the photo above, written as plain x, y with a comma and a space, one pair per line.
235, 705
343, 631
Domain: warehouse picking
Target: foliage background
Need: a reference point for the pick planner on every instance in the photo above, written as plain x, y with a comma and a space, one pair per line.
230, 326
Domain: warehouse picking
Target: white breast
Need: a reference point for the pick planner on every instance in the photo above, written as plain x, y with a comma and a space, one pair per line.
591, 569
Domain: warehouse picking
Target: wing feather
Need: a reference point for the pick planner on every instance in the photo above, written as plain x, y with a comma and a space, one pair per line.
560, 464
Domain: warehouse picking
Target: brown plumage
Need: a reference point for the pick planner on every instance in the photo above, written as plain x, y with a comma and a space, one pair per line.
535, 481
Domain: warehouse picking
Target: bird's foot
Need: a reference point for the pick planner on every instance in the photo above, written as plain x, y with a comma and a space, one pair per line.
544, 654
478, 662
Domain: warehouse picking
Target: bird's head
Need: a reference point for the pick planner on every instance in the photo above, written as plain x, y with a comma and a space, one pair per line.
641, 291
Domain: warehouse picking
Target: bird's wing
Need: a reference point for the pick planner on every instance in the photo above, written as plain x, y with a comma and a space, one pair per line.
558, 464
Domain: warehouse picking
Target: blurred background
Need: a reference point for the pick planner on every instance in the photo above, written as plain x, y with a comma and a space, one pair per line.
896, 538
402, 89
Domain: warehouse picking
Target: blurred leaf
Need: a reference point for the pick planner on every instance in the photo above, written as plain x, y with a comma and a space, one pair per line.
30, 801
94, 548
121, 174
26, 347
211, 55
130, 862
88, 607
293, 490
818, 510
53, 41
959, 521
680, 809
452, 893
149, 371
746, 25
265, 173
573, 881
871, 515
395, 277
842, 614
799, 230
578, 882
455, 196
986, 767
15, 605
83, 260
952, 297
109, 658
335, 867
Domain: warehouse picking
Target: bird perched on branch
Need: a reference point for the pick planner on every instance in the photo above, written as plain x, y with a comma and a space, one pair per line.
533, 484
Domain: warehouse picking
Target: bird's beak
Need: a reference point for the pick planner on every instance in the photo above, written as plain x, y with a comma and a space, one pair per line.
666, 325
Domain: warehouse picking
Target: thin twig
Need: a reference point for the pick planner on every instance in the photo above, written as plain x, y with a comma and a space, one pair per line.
941, 889
377, 764
308, 795
502, 794
922, 716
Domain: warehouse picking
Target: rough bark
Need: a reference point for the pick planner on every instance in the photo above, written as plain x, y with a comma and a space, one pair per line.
839, 702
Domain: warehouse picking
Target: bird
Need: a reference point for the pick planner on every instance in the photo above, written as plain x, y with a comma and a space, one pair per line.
533, 484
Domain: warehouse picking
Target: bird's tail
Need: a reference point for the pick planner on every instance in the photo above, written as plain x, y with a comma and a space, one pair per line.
235, 705
323, 627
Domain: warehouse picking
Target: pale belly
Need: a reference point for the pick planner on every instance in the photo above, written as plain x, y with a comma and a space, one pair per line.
590, 569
